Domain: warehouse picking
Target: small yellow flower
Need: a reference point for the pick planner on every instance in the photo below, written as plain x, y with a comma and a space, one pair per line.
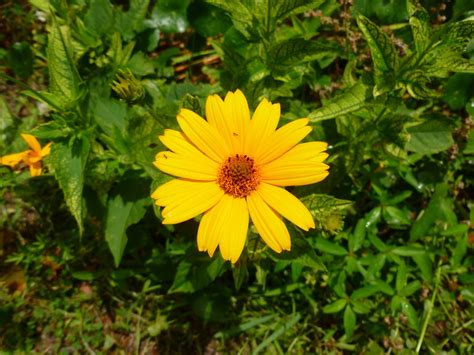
232, 166
31, 158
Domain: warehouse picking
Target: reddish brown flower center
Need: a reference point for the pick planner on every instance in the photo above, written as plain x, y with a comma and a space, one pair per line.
238, 176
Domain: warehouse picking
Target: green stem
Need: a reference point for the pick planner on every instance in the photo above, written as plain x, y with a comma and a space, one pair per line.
430, 307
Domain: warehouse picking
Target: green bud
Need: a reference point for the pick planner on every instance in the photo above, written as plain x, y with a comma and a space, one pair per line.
127, 87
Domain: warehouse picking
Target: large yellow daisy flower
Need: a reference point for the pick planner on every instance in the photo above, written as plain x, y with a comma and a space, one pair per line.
231, 166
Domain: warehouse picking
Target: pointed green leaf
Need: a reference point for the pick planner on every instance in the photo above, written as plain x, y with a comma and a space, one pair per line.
127, 205
335, 307
352, 99
68, 161
282, 9
420, 26
350, 320
99, 18
329, 247
384, 54
298, 50
64, 78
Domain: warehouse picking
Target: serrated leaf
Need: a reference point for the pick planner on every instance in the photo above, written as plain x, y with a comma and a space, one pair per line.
99, 17
298, 50
127, 205
352, 99
420, 26
384, 54
281, 9
68, 161
132, 21
64, 80
460, 33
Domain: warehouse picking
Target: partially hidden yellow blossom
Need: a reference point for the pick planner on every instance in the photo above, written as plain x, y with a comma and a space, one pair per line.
31, 158
231, 166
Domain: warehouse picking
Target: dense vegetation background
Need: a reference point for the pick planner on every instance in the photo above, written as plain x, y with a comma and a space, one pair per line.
86, 265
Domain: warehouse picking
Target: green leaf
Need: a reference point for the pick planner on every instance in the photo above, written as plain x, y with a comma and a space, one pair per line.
301, 252
68, 161
396, 217
356, 238
127, 205
410, 312
240, 14
410, 289
365, 291
329, 247
99, 18
420, 26
401, 280
208, 20
131, 22
282, 329
20, 59
459, 251
425, 265
170, 16
430, 137
196, 272
352, 99
350, 321
281, 9
243, 327
409, 250
384, 54
64, 78
439, 209
298, 50
335, 307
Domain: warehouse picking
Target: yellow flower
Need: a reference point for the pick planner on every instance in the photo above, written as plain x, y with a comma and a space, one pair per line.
31, 158
231, 166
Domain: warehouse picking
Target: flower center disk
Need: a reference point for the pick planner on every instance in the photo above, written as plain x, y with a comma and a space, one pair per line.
238, 176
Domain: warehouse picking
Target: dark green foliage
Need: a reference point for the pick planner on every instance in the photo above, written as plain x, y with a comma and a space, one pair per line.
86, 265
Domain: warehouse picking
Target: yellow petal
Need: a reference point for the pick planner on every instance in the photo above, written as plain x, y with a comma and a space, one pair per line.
35, 169
234, 232
264, 122
197, 167
46, 149
215, 114
177, 142
32, 142
287, 205
282, 140
184, 200
13, 159
204, 136
268, 223
301, 165
237, 113
296, 177
225, 224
